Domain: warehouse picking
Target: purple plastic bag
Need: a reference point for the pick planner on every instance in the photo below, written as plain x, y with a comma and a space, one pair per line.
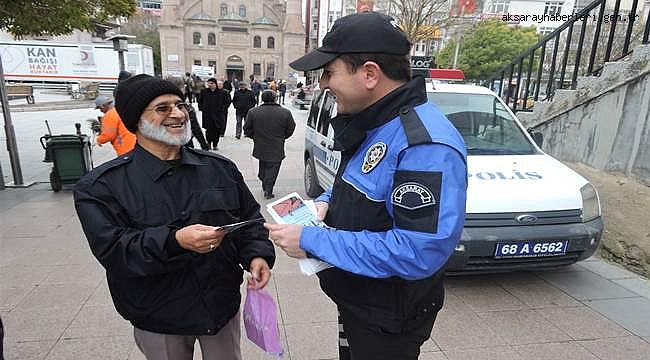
261, 321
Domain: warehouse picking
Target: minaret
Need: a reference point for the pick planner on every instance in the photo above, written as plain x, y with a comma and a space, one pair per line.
294, 35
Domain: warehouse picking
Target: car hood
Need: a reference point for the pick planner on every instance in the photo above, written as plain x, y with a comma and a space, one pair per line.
521, 183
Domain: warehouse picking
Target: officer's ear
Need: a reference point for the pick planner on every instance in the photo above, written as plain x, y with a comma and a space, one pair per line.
371, 74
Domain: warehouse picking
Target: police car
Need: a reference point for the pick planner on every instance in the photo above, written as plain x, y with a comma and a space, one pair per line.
525, 209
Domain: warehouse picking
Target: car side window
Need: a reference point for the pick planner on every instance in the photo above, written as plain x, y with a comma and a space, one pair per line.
313, 110
325, 114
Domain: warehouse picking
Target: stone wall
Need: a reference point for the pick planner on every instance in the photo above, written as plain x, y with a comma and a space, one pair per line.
605, 124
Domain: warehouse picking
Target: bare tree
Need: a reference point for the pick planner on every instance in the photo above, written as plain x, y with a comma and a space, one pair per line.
417, 17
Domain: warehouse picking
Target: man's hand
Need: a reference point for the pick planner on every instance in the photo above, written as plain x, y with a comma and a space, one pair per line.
199, 238
260, 273
287, 238
321, 209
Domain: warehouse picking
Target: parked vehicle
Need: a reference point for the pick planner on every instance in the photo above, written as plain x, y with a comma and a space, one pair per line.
525, 209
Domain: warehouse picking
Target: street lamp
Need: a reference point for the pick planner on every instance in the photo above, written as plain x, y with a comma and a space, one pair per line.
121, 44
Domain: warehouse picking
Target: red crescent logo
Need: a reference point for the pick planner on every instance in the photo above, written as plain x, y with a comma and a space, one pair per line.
84, 55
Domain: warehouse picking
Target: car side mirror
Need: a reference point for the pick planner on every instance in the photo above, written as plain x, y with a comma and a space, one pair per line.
537, 137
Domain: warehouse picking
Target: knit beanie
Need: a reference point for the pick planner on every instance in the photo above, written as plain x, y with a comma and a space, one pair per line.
134, 95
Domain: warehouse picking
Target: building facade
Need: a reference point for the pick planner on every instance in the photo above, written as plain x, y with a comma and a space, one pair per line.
239, 39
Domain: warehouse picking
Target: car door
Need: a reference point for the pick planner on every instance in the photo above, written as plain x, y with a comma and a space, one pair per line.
326, 159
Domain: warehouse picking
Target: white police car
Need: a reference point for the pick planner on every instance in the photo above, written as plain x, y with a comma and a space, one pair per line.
525, 209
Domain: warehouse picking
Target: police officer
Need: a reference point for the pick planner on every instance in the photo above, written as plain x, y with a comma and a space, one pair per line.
398, 200
150, 217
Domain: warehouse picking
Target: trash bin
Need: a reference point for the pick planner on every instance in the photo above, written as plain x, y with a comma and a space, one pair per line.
71, 158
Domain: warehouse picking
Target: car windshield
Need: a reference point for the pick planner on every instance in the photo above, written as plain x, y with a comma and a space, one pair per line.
486, 126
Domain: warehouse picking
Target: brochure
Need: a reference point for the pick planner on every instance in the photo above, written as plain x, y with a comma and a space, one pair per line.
292, 209
232, 227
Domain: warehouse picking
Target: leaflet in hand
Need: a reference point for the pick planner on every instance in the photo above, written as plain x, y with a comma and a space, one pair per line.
232, 227
292, 209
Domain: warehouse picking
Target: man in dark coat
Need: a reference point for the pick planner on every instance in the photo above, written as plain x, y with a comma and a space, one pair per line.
212, 103
153, 219
269, 125
243, 100
225, 111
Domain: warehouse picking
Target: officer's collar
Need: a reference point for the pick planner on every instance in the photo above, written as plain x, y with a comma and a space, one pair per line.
156, 168
350, 129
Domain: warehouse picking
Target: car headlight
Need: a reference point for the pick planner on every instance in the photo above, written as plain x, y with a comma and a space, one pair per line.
590, 203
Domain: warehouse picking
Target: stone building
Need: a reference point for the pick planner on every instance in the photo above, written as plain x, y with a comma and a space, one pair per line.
238, 38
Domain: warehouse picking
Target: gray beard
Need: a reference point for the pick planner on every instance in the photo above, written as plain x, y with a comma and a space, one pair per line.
160, 133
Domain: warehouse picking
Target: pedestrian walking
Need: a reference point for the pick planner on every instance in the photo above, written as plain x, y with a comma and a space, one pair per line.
269, 125
197, 133
283, 90
397, 205
243, 100
256, 88
197, 86
225, 112
151, 218
189, 86
213, 103
112, 128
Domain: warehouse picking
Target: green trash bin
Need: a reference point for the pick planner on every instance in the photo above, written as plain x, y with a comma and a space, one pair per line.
71, 158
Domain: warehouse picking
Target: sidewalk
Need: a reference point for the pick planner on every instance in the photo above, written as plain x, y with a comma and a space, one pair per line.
56, 305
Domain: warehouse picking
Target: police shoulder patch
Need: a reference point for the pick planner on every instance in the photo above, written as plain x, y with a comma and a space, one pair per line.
374, 155
413, 195
416, 200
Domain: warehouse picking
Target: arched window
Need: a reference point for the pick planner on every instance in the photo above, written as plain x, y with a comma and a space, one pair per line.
196, 38
242, 11
212, 40
270, 42
224, 10
257, 42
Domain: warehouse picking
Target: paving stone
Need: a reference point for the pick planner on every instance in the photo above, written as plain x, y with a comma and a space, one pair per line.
45, 296
312, 341
89, 275
487, 353
637, 285
299, 309
22, 275
628, 348
553, 351
607, 270
626, 313
98, 321
523, 327
481, 297
582, 323
105, 348
101, 295
12, 296
537, 293
296, 284
26, 350
434, 355
463, 331
585, 285
38, 323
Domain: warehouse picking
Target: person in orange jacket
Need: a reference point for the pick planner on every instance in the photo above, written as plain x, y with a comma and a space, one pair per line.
113, 130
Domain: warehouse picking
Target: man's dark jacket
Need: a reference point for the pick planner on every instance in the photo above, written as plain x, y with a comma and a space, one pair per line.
213, 104
269, 125
243, 100
130, 209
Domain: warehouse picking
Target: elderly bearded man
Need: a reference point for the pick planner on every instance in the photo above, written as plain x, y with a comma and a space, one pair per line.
151, 218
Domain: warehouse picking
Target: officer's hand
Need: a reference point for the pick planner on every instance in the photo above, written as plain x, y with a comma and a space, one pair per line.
199, 238
287, 238
321, 209
260, 273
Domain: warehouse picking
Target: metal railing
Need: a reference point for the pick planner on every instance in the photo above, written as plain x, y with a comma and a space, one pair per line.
599, 33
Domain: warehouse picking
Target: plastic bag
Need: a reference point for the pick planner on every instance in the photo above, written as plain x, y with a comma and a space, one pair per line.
260, 321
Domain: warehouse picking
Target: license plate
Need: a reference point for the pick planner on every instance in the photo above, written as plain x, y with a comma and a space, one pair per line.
530, 249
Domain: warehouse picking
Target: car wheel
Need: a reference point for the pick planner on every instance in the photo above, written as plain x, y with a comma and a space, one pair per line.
312, 188
55, 183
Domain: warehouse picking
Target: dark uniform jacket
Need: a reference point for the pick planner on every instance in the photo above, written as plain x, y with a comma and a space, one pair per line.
269, 125
213, 105
400, 239
243, 100
130, 209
